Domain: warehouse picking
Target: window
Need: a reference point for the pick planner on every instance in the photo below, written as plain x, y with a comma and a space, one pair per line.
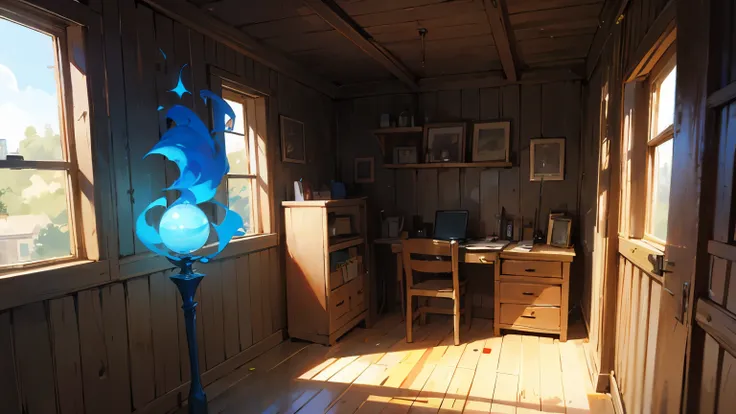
242, 150
37, 159
660, 147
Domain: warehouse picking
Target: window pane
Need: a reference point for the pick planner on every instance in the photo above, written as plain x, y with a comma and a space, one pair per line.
239, 116
666, 102
34, 219
239, 198
661, 190
237, 155
29, 102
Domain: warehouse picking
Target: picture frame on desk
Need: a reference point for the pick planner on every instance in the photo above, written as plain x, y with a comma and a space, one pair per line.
558, 230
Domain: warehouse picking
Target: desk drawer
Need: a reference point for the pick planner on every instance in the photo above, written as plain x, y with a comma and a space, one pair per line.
530, 316
530, 294
339, 303
479, 257
357, 293
531, 268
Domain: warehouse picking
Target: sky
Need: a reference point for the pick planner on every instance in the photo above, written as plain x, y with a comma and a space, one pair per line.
27, 83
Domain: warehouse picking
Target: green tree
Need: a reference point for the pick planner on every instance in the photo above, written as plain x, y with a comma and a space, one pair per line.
51, 242
3, 206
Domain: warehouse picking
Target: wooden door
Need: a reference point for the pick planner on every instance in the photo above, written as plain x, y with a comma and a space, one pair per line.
711, 357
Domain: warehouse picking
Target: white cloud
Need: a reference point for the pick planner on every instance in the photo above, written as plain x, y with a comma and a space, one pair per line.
21, 108
40, 187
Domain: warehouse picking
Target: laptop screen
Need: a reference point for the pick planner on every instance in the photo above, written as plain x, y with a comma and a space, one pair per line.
450, 224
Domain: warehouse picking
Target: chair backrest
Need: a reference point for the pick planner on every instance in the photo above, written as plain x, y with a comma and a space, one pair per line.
433, 248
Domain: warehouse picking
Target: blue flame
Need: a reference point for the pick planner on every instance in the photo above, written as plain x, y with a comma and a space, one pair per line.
180, 89
199, 153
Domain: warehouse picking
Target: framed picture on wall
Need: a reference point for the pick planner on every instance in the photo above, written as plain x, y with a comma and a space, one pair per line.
547, 159
445, 142
293, 145
491, 141
364, 170
405, 155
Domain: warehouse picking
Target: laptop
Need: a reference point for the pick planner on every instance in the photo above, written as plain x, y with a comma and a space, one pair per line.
451, 225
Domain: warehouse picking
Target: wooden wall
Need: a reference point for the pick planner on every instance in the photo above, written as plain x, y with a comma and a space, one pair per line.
600, 147
119, 346
535, 110
637, 322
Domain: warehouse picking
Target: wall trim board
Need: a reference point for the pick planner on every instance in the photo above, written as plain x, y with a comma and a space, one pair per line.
170, 400
198, 20
491, 79
148, 263
660, 36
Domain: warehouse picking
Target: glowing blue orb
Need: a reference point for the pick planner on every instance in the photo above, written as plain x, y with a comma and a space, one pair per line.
184, 228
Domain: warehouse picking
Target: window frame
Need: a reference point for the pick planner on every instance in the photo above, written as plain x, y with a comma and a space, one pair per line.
659, 73
248, 135
61, 31
264, 222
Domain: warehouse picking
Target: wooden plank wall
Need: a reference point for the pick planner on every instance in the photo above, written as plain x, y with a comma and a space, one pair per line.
637, 322
535, 110
121, 347
597, 202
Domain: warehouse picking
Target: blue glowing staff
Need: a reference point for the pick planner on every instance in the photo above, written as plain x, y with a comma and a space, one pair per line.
200, 155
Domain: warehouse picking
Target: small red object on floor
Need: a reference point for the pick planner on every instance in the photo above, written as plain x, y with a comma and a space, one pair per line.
486, 350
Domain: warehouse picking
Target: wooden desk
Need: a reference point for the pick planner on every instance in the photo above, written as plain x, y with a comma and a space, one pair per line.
531, 286
532, 290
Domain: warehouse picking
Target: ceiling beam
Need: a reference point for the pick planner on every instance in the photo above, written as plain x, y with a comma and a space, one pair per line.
197, 19
497, 19
341, 21
491, 79
609, 16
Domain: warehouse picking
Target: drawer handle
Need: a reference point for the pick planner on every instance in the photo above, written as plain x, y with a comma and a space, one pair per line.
528, 293
530, 270
482, 259
340, 303
529, 316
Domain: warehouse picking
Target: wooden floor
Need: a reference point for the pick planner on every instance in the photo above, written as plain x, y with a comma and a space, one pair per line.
376, 371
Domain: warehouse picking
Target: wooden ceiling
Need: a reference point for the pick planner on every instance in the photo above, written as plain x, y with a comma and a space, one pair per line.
460, 35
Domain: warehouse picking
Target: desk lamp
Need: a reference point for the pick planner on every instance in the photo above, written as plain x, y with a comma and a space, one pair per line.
182, 228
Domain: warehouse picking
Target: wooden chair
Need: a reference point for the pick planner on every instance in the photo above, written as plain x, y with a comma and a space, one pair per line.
434, 288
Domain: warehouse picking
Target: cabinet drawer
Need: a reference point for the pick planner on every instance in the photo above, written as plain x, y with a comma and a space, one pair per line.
531, 268
357, 293
474, 257
339, 303
530, 294
530, 316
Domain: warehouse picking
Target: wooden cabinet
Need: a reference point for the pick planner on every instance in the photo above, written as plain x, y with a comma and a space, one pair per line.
532, 289
324, 298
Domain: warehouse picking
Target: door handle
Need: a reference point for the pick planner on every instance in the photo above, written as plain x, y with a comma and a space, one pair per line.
683, 302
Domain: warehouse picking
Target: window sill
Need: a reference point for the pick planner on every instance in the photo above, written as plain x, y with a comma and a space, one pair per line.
144, 264
21, 286
641, 253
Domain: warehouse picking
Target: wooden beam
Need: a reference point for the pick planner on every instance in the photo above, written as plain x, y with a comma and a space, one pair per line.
659, 37
474, 80
609, 16
341, 21
199, 20
497, 19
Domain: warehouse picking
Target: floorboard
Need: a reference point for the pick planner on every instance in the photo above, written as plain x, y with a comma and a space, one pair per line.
372, 371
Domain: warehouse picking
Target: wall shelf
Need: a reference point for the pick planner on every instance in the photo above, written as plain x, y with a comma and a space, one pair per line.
484, 164
398, 130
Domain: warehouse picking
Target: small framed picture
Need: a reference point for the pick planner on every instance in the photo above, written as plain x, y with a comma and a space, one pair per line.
405, 155
547, 159
364, 172
293, 146
491, 141
445, 142
558, 230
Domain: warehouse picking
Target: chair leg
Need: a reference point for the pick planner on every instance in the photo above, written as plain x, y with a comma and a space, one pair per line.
422, 302
468, 310
403, 298
409, 318
456, 319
